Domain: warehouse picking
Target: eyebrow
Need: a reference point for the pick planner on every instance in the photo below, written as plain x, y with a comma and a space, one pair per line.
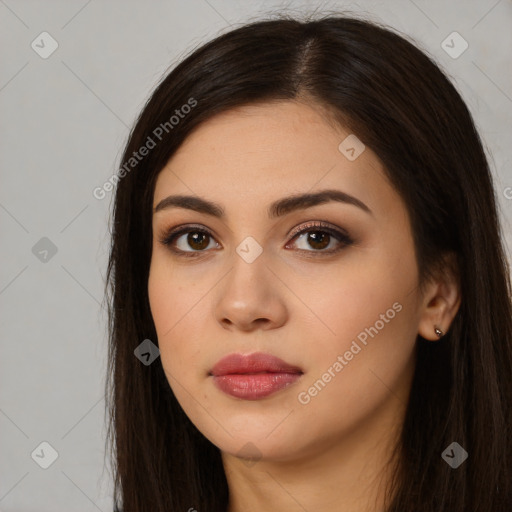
278, 208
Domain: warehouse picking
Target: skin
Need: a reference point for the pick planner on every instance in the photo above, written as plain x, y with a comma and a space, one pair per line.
330, 453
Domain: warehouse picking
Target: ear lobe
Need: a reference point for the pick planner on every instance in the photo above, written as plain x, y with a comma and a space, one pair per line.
441, 302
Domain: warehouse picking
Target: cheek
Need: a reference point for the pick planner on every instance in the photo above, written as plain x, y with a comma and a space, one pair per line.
172, 294
353, 373
371, 294
179, 340
372, 319
353, 295
174, 307
166, 310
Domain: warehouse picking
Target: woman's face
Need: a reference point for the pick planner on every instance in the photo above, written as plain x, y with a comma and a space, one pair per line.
338, 305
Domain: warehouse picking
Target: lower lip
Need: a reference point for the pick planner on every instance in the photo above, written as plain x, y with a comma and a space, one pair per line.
254, 386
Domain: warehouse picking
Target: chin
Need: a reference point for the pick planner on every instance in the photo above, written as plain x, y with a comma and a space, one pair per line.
263, 438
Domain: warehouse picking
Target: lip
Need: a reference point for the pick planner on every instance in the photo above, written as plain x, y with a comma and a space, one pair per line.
253, 376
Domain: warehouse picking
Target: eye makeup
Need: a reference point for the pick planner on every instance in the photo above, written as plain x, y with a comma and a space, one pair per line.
314, 232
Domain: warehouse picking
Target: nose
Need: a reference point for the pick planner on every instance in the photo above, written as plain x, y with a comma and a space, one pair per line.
251, 297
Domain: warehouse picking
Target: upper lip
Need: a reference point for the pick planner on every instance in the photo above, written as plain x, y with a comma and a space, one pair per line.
257, 362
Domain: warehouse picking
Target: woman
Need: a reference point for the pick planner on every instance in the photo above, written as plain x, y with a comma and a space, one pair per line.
305, 226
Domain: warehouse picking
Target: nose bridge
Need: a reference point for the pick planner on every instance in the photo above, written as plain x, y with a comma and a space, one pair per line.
249, 250
249, 267
250, 293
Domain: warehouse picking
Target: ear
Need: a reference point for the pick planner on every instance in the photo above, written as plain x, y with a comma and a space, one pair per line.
441, 301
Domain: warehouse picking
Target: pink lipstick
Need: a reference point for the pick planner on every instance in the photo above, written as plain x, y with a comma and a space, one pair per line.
253, 376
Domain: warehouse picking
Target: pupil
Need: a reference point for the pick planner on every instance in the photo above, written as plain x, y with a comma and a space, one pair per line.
195, 242
317, 239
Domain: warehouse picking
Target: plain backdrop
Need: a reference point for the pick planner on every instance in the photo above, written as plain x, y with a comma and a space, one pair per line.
64, 120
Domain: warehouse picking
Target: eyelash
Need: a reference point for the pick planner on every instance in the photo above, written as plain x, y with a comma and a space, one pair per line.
317, 226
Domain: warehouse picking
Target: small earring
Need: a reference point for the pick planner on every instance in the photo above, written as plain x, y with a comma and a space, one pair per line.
438, 331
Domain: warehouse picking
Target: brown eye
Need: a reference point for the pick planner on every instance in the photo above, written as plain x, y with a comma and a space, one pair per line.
197, 241
318, 239
189, 240
326, 240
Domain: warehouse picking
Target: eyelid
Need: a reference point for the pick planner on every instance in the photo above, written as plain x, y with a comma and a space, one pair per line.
174, 233
317, 224
342, 236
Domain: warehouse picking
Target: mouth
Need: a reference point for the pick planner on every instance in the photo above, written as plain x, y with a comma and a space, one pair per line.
253, 376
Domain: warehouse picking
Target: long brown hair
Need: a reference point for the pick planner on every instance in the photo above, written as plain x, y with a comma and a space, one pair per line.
400, 104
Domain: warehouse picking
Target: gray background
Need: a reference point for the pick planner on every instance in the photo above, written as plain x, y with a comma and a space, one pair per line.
64, 120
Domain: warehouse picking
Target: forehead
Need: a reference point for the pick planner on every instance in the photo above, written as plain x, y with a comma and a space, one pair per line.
267, 133
261, 152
